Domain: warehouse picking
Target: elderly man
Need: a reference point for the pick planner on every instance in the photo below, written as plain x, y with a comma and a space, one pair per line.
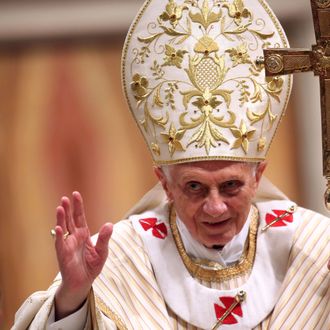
216, 246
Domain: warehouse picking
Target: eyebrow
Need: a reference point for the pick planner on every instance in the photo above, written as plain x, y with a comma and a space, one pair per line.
191, 177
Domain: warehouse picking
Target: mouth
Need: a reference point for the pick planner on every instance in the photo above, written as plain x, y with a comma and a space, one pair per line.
216, 224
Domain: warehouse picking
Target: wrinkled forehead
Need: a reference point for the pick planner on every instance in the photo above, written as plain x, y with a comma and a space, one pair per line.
209, 166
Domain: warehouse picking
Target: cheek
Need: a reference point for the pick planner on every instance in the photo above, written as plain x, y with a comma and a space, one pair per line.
186, 210
184, 206
242, 207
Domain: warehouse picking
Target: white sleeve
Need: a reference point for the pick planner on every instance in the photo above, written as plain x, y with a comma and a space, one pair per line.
75, 321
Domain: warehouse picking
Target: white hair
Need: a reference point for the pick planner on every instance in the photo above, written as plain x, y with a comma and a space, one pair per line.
166, 171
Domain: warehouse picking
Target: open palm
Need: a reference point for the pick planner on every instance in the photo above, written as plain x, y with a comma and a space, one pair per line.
80, 262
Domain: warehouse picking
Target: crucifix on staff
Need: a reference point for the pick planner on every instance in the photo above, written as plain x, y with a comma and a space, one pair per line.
283, 61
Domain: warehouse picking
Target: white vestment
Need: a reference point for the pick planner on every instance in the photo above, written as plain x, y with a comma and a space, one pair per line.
151, 282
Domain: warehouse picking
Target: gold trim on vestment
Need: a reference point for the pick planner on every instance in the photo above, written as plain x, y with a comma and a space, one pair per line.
218, 273
110, 313
91, 303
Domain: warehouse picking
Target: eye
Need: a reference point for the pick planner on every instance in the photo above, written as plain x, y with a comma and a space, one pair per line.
194, 186
231, 187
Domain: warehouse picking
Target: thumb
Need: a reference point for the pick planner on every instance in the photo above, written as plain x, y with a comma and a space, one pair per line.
101, 245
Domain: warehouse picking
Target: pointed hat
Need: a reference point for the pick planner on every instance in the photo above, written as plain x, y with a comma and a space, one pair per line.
194, 85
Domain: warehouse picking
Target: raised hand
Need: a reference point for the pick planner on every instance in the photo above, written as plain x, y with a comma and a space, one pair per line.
80, 262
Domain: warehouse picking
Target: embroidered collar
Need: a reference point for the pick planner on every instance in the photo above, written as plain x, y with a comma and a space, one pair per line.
213, 271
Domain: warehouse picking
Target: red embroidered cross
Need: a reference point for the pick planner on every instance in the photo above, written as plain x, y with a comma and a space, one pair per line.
280, 218
228, 302
158, 230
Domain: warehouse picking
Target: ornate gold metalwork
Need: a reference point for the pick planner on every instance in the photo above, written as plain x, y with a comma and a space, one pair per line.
274, 63
217, 273
323, 3
318, 61
285, 61
321, 59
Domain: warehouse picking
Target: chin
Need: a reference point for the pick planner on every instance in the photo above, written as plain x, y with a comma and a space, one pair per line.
220, 241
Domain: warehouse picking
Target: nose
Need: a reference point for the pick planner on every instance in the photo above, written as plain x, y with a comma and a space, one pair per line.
214, 204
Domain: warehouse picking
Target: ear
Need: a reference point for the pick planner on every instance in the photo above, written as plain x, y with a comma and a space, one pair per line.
164, 181
260, 171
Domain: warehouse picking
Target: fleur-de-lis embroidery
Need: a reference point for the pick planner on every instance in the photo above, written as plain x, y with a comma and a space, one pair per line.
173, 13
159, 230
279, 218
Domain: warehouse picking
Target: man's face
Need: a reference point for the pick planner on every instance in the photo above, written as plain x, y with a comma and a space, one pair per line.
212, 198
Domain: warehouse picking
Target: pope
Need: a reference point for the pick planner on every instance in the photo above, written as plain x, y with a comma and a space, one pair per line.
214, 245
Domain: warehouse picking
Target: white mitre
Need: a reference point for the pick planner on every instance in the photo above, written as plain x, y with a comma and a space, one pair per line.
194, 85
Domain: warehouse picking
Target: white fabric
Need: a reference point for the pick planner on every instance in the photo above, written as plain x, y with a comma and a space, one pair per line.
191, 300
229, 254
202, 76
75, 321
33, 310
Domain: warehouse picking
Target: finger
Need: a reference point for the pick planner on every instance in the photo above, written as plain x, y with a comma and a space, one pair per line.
59, 240
101, 246
65, 202
60, 229
329, 264
78, 210
60, 218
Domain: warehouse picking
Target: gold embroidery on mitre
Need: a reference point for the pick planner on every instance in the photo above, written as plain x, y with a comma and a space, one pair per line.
212, 271
195, 50
262, 144
172, 138
139, 87
173, 56
206, 45
239, 55
237, 11
206, 72
173, 13
243, 136
205, 16
155, 148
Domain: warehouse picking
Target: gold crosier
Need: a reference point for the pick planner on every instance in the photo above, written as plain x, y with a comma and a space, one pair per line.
286, 61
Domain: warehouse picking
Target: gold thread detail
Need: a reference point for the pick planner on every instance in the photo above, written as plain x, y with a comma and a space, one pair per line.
124, 80
110, 313
286, 45
198, 159
91, 300
218, 274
